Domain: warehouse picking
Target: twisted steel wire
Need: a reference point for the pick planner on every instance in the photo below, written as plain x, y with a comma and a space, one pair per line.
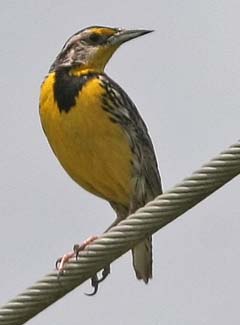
147, 220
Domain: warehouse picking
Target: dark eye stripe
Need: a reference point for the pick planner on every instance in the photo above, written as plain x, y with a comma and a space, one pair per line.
94, 37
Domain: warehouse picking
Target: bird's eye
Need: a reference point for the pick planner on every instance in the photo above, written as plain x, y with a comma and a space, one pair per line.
94, 38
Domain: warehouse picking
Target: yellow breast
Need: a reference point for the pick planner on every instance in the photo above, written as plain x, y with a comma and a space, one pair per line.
93, 150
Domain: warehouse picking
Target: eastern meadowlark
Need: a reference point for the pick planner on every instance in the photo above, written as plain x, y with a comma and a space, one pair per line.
96, 132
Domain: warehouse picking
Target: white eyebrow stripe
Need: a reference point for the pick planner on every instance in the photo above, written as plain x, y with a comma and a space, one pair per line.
71, 40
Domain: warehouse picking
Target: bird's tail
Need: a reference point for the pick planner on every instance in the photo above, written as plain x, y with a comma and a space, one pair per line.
142, 259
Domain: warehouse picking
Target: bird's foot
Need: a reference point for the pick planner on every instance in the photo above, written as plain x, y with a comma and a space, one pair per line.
95, 280
60, 263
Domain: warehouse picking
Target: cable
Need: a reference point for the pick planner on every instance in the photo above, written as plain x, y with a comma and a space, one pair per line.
145, 221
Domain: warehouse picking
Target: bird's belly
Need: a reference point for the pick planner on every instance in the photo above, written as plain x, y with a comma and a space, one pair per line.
93, 150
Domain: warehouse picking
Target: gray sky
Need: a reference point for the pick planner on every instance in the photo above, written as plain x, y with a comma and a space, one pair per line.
185, 80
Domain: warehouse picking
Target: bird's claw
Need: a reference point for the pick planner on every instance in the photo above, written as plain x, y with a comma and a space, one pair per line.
57, 263
94, 283
105, 273
95, 280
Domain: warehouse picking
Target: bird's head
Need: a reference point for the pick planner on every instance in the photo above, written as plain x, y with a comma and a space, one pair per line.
92, 47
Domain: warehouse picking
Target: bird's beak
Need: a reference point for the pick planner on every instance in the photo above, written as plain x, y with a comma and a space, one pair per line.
124, 35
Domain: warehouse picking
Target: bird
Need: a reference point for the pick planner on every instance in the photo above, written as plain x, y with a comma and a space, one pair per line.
97, 133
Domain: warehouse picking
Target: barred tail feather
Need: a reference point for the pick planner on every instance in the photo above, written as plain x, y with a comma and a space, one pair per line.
142, 260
